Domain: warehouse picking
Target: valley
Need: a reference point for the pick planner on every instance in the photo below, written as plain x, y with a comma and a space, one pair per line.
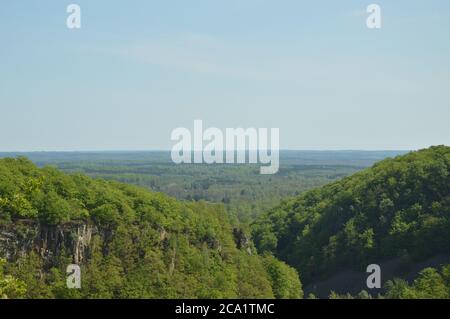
225, 231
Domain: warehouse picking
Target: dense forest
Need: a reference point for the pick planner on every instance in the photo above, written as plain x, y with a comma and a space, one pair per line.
240, 188
132, 242
139, 244
399, 208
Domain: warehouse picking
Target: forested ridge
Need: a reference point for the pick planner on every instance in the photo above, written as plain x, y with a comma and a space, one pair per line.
239, 187
400, 207
143, 244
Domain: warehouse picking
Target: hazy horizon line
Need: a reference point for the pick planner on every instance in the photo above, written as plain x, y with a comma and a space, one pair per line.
168, 150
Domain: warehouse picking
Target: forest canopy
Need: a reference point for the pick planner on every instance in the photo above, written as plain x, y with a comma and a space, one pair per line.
144, 244
400, 207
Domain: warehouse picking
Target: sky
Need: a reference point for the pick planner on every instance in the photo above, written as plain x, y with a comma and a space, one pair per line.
136, 70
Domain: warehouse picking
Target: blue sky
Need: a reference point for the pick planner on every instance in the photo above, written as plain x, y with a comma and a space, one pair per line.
138, 69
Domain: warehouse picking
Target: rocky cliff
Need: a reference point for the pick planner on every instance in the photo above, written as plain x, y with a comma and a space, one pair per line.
23, 236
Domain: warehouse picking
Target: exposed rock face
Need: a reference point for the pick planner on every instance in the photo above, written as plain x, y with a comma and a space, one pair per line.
242, 240
84, 233
24, 236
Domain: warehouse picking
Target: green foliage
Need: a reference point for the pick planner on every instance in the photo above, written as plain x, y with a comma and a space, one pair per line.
244, 192
285, 280
145, 244
430, 284
362, 295
10, 287
398, 207
253, 279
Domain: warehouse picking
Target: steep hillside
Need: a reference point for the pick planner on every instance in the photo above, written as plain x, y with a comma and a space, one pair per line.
130, 243
398, 208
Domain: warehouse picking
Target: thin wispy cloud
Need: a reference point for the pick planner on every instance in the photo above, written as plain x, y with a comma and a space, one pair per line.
192, 53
